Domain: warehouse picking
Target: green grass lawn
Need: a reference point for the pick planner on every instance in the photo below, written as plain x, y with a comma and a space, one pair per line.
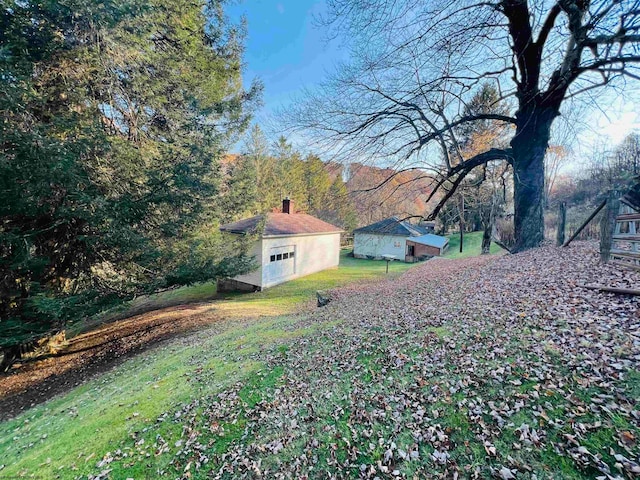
67, 436
346, 387
471, 246
284, 298
280, 299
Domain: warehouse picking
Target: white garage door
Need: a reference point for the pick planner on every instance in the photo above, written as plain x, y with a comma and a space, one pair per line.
282, 261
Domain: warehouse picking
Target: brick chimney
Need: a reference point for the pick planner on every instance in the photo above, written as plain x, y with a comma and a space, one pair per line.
287, 205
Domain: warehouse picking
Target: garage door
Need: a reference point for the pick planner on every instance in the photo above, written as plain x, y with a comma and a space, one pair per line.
282, 262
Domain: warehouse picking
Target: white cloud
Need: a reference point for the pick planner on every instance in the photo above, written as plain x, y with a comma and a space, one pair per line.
617, 128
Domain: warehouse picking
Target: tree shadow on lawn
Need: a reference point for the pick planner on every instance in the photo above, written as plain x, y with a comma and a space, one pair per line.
95, 352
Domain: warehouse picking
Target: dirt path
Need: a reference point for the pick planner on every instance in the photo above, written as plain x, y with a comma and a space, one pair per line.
95, 352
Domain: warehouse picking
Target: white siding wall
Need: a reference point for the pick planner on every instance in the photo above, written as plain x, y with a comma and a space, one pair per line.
313, 253
255, 277
371, 244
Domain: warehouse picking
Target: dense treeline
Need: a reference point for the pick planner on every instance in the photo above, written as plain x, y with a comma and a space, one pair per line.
265, 174
607, 170
114, 118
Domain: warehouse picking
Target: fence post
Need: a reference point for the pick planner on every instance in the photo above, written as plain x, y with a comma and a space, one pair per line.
607, 226
586, 222
562, 221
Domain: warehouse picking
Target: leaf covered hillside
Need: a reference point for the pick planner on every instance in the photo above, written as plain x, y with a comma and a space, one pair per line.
487, 367
495, 367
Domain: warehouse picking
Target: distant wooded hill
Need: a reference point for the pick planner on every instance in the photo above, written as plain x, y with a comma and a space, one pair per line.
372, 193
404, 194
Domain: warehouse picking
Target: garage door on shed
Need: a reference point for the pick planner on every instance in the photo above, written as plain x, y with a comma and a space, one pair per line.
282, 262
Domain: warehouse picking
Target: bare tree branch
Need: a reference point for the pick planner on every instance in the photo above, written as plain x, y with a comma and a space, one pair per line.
417, 66
547, 26
459, 172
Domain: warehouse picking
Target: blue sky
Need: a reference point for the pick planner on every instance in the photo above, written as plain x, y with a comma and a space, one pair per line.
288, 52
284, 48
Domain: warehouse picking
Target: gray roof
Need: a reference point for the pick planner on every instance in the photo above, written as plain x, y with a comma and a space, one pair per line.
430, 240
393, 226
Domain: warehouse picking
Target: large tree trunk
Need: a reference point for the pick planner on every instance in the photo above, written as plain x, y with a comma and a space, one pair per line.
529, 147
528, 201
486, 240
461, 220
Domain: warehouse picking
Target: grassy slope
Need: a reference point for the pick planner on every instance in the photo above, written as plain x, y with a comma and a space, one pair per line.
471, 246
145, 410
287, 297
68, 435
201, 292
281, 299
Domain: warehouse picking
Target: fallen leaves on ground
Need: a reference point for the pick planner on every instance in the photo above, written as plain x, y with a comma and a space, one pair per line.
488, 367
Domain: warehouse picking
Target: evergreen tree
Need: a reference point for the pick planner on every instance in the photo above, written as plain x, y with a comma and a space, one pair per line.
264, 165
285, 174
317, 183
114, 116
328, 200
341, 208
289, 177
240, 195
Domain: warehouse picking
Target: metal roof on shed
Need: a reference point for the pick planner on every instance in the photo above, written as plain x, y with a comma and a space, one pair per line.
430, 240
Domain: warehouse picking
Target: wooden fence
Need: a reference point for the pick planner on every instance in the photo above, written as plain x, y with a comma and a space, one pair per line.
619, 228
625, 244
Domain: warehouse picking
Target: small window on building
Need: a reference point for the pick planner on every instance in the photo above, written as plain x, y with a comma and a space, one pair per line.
279, 256
273, 258
410, 250
291, 255
285, 256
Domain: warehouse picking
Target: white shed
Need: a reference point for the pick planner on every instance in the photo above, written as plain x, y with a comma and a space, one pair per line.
292, 245
387, 237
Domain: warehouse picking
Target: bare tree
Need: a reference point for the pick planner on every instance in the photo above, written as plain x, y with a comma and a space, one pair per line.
627, 155
417, 64
554, 160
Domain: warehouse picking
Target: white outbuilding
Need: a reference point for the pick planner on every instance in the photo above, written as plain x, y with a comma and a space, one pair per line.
399, 239
291, 245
